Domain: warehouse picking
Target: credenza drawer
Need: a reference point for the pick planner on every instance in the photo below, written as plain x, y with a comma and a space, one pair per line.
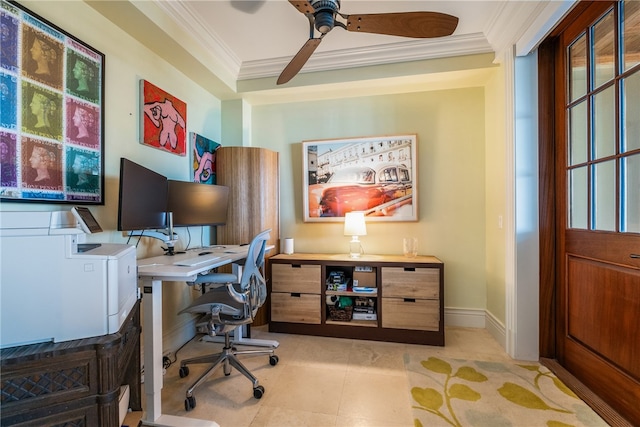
301, 278
295, 307
401, 282
410, 313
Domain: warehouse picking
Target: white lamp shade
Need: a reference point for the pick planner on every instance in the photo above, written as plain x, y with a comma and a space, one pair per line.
354, 224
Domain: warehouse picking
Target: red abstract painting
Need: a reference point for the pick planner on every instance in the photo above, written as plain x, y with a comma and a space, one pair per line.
164, 120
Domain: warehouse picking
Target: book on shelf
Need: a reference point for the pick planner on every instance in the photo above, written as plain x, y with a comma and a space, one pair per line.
364, 316
342, 286
363, 289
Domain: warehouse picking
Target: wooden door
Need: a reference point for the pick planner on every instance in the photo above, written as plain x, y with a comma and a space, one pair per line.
596, 195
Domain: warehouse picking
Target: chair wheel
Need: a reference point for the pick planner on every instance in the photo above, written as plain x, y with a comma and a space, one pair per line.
258, 392
273, 360
183, 372
189, 403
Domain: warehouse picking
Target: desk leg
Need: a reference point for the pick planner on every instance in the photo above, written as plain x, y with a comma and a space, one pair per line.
152, 335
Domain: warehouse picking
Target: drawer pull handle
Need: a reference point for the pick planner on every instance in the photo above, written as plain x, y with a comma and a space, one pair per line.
296, 265
635, 256
409, 269
295, 295
409, 300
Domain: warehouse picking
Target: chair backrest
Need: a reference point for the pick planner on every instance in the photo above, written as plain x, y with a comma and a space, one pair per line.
252, 278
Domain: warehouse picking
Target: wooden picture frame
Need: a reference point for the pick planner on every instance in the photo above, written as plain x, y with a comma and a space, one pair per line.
376, 175
164, 120
52, 120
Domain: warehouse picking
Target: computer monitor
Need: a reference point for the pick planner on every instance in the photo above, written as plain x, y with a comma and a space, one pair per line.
142, 203
193, 203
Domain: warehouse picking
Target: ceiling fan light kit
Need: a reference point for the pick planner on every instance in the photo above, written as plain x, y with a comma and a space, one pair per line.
322, 17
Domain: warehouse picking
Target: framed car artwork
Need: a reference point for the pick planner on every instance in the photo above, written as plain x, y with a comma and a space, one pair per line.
376, 175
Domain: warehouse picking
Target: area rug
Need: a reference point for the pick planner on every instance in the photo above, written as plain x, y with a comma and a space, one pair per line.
454, 392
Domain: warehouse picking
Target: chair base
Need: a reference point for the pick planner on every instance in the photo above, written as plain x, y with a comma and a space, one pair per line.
228, 359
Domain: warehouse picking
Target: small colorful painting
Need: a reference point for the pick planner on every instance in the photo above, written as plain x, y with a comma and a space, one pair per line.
204, 159
164, 120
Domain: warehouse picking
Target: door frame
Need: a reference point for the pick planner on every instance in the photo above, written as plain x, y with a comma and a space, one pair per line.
550, 203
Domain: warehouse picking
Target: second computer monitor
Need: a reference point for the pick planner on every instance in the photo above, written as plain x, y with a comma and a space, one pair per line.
193, 203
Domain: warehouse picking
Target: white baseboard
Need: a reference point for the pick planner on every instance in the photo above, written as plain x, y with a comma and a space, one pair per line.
174, 338
464, 317
476, 318
497, 330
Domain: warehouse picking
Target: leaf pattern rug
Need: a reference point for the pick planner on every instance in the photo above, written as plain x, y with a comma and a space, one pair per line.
455, 392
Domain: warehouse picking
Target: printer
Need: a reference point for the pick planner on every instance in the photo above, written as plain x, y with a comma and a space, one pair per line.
54, 286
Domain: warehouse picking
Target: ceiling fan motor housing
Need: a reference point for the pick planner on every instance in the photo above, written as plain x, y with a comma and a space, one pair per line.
325, 14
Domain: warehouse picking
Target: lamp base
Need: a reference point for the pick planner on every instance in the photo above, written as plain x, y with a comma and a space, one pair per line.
355, 248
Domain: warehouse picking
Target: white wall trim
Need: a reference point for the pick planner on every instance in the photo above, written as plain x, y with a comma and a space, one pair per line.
464, 317
509, 220
404, 51
497, 329
476, 318
175, 337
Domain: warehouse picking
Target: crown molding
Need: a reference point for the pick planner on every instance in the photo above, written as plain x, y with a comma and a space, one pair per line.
524, 24
520, 23
202, 33
405, 51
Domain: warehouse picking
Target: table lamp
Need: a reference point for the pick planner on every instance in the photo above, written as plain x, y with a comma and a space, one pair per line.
355, 226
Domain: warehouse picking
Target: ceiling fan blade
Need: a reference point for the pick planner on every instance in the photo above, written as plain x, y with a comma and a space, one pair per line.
298, 61
405, 24
303, 6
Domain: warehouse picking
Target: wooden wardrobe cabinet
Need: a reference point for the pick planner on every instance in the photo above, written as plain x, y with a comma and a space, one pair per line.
253, 177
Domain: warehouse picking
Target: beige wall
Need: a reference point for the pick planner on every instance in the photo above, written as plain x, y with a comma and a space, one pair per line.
496, 198
460, 159
450, 125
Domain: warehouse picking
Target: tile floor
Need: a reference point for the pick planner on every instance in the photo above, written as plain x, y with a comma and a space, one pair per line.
318, 381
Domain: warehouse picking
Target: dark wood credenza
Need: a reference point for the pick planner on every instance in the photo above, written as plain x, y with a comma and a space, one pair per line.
407, 297
72, 383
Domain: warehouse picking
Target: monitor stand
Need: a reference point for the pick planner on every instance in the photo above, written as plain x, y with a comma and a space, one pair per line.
170, 242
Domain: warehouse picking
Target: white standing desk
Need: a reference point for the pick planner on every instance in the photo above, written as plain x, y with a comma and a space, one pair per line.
152, 272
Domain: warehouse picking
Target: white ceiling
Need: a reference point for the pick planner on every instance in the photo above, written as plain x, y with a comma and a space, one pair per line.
247, 43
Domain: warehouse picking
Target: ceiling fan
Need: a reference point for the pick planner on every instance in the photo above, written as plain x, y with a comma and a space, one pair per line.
323, 16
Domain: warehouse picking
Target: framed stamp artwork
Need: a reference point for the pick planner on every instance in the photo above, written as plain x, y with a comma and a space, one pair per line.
375, 175
164, 120
52, 116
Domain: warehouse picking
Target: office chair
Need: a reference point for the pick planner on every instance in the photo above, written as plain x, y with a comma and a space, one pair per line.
227, 308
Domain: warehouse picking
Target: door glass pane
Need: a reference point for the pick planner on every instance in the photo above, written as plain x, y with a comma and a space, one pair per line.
578, 135
604, 196
631, 33
578, 197
631, 112
578, 74
604, 131
603, 49
631, 194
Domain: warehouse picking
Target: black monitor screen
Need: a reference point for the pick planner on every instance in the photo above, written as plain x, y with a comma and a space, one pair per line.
143, 198
193, 203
